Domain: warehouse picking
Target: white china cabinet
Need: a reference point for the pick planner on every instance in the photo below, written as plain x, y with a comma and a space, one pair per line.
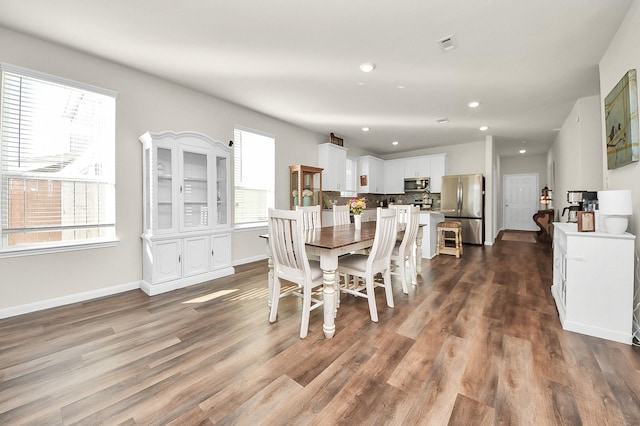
187, 210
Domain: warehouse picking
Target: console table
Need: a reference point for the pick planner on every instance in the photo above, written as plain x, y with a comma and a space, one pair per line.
544, 219
593, 282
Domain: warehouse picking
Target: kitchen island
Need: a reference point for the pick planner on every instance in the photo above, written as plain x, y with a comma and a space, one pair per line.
429, 219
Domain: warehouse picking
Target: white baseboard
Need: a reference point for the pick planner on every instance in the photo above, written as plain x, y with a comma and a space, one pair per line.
67, 300
154, 289
250, 259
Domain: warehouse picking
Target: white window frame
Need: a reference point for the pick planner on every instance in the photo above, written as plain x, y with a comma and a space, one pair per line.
63, 245
268, 178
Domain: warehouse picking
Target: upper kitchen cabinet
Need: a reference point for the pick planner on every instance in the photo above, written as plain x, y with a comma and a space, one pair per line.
370, 174
417, 167
333, 160
438, 170
394, 176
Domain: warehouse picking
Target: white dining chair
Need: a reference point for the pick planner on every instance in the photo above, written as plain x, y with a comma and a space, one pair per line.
312, 216
341, 215
377, 261
402, 255
290, 263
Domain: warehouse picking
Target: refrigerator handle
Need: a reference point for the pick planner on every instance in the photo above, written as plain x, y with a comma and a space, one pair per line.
459, 196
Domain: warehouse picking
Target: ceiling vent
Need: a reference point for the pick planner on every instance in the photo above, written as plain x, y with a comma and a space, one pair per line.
443, 120
447, 44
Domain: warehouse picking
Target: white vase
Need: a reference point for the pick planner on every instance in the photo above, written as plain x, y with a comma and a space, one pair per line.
357, 219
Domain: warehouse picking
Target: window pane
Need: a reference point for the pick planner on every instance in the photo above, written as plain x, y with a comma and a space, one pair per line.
254, 176
57, 163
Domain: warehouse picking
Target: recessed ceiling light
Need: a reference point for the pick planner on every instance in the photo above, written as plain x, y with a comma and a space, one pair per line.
473, 104
484, 128
522, 151
365, 129
443, 120
394, 143
360, 83
367, 67
400, 87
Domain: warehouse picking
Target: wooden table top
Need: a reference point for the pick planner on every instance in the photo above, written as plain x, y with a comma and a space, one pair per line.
332, 237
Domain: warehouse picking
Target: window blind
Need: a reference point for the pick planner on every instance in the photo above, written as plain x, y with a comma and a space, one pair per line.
254, 175
57, 161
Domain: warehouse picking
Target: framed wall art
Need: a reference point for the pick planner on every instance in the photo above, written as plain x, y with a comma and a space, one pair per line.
621, 121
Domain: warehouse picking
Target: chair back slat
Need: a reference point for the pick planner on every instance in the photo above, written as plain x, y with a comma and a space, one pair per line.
402, 211
286, 237
385, 237
410, 230
311, 216
341, 215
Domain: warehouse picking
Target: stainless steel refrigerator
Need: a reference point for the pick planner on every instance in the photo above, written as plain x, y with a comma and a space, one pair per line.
462, 199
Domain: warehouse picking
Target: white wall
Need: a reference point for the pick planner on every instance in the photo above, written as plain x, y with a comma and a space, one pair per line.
144, 103
576, 153
621, 56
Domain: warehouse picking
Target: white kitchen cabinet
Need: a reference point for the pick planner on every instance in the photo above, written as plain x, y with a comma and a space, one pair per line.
333, 160
417, 167
394, 176
438, 170
371, 170
186, 202
593, 282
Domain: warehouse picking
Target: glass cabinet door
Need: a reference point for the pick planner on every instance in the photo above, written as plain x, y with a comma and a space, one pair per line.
195, 190
222, 197
164, 200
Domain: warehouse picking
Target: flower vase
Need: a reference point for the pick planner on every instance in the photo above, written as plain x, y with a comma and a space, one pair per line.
357, 219
306, 200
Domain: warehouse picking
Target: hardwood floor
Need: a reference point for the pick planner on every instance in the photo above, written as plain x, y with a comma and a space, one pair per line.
478, 341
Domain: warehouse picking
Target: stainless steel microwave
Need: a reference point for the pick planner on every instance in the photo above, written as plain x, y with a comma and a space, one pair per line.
420, 184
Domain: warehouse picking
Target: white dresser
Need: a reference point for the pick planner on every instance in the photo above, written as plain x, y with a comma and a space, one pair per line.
593, 282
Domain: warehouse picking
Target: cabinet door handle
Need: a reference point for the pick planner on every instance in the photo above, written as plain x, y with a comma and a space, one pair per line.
179, 258
211, 252
181, 189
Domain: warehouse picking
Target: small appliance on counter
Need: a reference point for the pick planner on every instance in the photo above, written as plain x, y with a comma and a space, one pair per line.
579, 201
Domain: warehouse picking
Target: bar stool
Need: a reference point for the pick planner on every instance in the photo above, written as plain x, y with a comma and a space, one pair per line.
449, 226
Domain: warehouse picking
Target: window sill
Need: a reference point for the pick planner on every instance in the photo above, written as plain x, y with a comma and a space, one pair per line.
30, 251
250, 226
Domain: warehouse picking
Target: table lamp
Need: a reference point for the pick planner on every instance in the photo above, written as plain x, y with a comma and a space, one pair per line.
615, 205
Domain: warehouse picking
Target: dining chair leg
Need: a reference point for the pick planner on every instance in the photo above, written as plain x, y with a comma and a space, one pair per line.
306, 308
412, 270
371, 297
275, 299
402, 267
387, 288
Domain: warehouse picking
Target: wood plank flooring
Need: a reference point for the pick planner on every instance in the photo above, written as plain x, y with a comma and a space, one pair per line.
477, 342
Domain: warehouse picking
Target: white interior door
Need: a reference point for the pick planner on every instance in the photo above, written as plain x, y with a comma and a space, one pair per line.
520, 201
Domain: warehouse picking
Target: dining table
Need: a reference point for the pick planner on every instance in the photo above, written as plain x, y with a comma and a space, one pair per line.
329, 243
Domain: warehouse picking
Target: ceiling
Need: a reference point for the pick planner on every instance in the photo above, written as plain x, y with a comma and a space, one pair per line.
525, 61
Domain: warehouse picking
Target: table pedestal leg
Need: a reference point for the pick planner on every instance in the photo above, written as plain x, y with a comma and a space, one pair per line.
328, 293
